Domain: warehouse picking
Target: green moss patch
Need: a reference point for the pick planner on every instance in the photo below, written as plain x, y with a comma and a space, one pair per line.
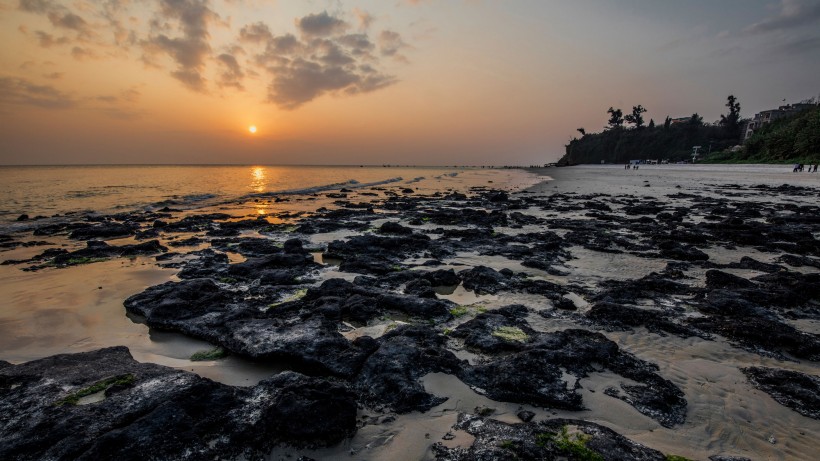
298, 294
459, 311
511, 334
78, 261
676, 458
575, 445
121, 380
213, 354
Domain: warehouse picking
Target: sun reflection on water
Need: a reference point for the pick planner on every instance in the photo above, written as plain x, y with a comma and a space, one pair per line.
258, 177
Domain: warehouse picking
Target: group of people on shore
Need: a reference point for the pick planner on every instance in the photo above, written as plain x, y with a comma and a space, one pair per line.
799, 167
634, 166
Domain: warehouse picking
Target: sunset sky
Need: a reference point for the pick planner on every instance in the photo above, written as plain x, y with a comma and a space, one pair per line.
428, 82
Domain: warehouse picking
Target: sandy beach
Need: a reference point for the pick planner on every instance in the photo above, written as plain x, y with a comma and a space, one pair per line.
673, 304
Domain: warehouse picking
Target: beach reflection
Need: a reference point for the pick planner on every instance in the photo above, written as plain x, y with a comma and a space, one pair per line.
258, 177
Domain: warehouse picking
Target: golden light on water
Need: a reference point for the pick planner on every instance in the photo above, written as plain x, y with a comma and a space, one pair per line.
252, 129
258, 178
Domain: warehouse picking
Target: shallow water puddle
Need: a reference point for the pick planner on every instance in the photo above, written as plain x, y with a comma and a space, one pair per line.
709, 374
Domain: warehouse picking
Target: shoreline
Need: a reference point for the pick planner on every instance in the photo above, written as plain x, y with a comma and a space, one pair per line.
634, 261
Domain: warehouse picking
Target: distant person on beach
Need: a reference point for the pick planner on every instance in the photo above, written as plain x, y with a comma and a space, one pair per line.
796, 166
815, 168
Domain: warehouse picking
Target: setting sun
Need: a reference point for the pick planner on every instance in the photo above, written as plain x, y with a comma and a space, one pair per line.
252, 129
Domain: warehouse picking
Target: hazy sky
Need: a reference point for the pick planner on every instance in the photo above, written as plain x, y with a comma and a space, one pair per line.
385, 81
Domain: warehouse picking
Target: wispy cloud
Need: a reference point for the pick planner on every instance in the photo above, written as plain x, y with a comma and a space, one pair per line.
21, 91
793, 13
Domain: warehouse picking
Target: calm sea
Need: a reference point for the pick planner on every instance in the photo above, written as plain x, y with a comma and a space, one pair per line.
57, 190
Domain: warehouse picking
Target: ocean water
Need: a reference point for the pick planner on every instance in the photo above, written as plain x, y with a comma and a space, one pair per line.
57, 190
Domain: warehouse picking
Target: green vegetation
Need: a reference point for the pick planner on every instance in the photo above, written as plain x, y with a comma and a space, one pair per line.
676, 458
573, 445
84, 260
213, 354
507, 444
298, 294
72, 399
670, 141
459, 311
447, 331
794, 139
511, 334
484, 411
227, 279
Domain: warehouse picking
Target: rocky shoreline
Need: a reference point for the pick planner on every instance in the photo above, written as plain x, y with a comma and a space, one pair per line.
362, 336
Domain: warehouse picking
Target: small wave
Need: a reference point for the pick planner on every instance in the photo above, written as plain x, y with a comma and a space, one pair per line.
350, 184
415, 180
82, 193
182, 201
306, 190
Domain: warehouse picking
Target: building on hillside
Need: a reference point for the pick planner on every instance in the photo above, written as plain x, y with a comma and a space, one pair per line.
768, 116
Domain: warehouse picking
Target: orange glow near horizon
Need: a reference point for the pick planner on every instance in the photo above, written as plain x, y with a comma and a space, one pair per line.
252, 129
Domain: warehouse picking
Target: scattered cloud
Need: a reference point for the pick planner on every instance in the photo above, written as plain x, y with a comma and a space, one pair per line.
120, 106
54, 75
231, 75
390, 43
258, 32
36, 6
364, 18
793, 13
20, 91
68, 20
47, 40
325, 53
321, 25
189, 50
82, 54
325, 60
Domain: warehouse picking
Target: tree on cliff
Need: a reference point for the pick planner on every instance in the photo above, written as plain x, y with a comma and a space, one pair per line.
616, 118
635, 118
731, 121
582, 131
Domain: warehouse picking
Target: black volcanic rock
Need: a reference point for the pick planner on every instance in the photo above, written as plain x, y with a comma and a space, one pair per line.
798, 391
101, 231
762, 335
94, 251
390, 376
543, 440
612, 315
183, 415
525, 366
391, 227
485, 280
